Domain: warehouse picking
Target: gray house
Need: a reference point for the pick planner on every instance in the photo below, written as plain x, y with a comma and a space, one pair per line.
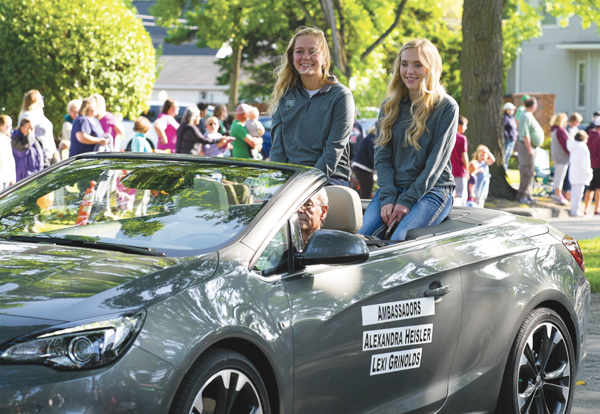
564, 61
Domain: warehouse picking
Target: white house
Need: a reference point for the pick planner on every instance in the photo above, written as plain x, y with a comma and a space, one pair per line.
564, 61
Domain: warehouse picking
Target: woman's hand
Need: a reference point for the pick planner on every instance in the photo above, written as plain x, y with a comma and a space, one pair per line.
394, 213
223, 142
386, 212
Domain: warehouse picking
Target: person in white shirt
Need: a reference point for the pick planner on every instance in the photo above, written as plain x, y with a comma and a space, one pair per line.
33, 108
580, 173
7, 161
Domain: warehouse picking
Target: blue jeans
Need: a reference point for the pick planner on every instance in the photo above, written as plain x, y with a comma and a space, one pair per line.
509, 146
338, 181
428, 211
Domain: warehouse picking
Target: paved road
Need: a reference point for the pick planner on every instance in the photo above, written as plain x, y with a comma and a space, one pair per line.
587, 397
580, 228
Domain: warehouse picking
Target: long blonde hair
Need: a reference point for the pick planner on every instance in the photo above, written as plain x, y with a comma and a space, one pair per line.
430, 93
286, 73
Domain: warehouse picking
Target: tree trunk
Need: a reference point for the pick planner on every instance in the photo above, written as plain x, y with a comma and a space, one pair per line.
481, 70
338, 48
234, 78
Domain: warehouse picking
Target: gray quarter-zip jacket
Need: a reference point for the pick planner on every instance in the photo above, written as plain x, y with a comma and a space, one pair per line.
314, 132
417, 172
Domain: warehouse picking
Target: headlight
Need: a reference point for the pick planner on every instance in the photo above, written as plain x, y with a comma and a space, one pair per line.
80, 345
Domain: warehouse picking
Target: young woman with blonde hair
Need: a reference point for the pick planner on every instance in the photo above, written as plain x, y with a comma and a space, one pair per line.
560, 154
416, 134
312, 113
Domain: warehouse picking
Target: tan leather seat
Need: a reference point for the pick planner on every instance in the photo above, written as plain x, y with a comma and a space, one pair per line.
345, 209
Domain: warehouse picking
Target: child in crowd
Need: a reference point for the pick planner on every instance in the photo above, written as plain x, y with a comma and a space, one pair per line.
212, 131
255, 128
253, 125
484, 159
140, 143
472, 183
580, 171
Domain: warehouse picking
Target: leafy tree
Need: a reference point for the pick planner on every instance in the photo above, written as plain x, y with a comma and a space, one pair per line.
216, 23
70, 49
483, 55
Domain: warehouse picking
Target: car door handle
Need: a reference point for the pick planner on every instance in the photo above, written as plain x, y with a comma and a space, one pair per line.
441, 291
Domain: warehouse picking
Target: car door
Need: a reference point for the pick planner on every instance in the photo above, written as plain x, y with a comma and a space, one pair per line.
368, 339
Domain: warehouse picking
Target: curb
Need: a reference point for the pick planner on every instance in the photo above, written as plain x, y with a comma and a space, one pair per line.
543, 213
595, 302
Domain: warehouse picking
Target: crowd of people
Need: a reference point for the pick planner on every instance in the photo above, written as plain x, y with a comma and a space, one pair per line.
30, 146
575, 154
418, 148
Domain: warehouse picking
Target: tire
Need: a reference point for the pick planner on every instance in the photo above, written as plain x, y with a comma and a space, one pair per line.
539, 375
224, 382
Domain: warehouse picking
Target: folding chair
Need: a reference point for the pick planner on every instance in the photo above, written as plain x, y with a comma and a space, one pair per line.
543, 174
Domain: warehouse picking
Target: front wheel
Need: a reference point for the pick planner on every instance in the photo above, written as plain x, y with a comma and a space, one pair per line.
221, 382
539, 375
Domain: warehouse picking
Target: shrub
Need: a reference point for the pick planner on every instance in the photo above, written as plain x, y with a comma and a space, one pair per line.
69, 49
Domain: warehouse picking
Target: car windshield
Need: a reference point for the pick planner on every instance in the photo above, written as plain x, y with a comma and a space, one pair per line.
179, 208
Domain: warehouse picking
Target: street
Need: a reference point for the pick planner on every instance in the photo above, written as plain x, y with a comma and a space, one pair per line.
587, 395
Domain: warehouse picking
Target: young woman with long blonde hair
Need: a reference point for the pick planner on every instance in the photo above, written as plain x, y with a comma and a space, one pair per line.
560, 154
312, 113
416, 133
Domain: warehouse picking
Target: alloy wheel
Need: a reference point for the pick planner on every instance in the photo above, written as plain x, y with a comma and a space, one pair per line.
229, 391
544, 376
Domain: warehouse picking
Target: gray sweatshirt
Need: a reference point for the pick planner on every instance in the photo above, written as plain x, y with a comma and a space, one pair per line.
417, 171
314, 132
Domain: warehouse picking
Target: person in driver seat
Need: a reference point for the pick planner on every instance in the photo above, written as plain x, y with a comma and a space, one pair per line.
312, 214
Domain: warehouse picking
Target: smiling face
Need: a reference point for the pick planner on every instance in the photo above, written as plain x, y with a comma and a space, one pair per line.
308, 58
412, 71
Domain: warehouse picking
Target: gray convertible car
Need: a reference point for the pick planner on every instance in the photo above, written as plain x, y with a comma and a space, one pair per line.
156, 284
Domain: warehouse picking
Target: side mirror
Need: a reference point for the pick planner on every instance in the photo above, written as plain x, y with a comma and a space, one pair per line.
333, 247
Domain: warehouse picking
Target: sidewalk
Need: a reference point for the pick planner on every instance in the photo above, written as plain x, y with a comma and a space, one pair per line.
544, 209
580, 228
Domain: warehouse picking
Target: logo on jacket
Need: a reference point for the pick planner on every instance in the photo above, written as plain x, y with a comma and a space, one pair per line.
289, 103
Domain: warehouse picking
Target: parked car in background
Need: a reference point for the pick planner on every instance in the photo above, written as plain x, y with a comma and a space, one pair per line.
169, 283
267, 143
367, 123
152, 112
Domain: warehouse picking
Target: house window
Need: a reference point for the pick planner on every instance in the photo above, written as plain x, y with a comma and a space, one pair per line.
581, 78
549, 20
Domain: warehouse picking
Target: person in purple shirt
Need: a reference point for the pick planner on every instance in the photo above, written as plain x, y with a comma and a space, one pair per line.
87, 131
27, 150
109, 122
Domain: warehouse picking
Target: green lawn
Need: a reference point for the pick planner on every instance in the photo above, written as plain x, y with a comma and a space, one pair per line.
591, 254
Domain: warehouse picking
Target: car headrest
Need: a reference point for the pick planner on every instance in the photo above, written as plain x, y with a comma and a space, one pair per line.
345, 209
207, 194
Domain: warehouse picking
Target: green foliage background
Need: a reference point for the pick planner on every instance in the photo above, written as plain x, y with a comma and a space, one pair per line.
69, 49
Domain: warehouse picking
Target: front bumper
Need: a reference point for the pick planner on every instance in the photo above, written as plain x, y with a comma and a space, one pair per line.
137, 383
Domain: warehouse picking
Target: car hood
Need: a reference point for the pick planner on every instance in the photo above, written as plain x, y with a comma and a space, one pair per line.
58, 283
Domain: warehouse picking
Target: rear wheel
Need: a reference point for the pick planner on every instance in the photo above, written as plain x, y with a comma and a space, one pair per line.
221, 382
539, 375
